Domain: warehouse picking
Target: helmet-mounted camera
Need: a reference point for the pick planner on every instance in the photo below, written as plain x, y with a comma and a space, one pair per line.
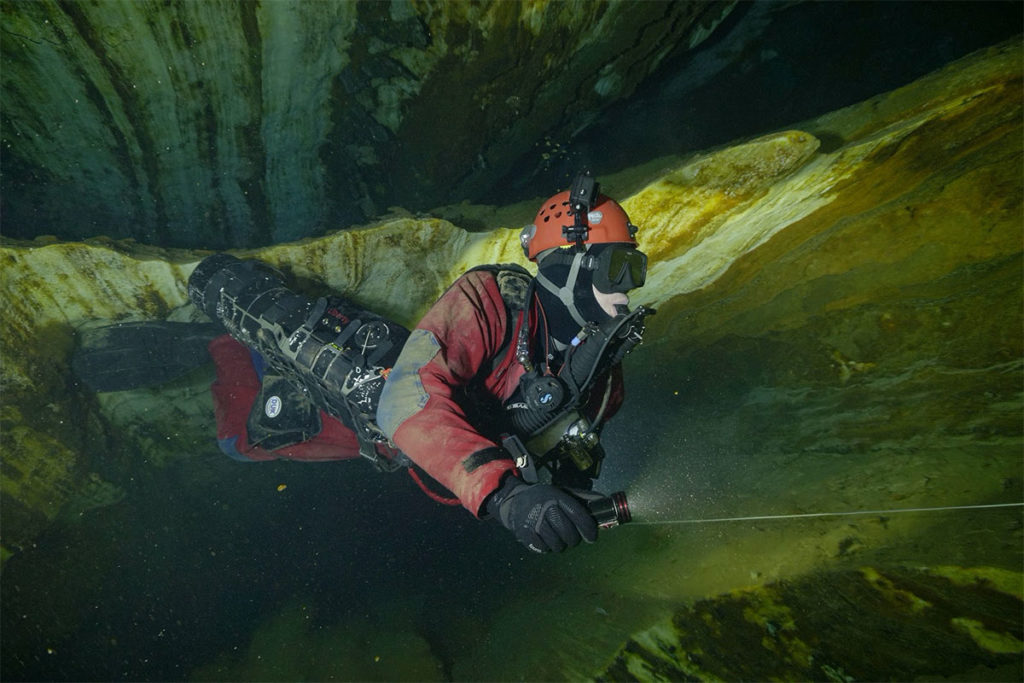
582, 198
577, 217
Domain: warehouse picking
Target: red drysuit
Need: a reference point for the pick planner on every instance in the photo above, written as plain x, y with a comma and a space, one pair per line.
449, 376
436, 401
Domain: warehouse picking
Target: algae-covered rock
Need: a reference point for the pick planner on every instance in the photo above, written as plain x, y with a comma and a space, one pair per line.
38, 478
865, 311
872, 624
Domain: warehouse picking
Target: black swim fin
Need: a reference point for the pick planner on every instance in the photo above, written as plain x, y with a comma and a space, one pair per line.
131, 355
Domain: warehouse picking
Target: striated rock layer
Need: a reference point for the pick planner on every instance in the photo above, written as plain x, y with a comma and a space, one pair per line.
839, 327
223, 124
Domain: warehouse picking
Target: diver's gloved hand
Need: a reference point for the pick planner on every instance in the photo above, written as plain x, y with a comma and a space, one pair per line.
544, 518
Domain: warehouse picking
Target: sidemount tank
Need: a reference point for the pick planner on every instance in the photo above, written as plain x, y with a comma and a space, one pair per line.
338, 352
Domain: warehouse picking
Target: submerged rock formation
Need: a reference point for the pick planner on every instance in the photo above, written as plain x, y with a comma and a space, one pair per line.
235, 124
864, 625
839, 326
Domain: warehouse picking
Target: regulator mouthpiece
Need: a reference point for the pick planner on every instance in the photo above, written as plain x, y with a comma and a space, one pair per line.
610, 511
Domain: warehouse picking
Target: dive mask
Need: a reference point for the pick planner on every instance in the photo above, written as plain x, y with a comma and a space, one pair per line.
620, 268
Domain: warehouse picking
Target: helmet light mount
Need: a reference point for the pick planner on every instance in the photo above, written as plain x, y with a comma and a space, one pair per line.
582, 199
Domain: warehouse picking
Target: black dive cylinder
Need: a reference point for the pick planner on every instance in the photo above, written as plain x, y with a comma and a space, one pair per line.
339, 353
599, 347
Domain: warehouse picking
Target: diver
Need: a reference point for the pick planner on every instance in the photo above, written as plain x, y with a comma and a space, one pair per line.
491, 369
499, 394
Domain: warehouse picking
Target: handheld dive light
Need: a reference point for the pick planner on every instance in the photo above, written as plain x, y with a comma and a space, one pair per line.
610, 510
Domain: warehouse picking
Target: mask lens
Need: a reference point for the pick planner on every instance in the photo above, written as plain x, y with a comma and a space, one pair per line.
626, 269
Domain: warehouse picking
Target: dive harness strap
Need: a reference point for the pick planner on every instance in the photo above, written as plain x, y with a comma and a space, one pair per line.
565, 294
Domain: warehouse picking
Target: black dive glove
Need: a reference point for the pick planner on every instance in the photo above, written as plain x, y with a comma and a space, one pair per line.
544, 518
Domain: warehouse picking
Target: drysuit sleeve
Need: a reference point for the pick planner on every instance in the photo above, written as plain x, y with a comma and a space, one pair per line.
420, 408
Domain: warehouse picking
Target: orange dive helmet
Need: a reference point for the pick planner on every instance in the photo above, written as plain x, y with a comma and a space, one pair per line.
577, 216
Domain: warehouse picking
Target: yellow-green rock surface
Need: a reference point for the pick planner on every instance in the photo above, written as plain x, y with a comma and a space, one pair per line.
866, 624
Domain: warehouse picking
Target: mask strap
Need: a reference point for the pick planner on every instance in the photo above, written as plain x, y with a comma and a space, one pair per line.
565, 294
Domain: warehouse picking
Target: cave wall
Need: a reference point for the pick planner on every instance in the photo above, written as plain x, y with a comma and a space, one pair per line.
224, 124
867, 308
